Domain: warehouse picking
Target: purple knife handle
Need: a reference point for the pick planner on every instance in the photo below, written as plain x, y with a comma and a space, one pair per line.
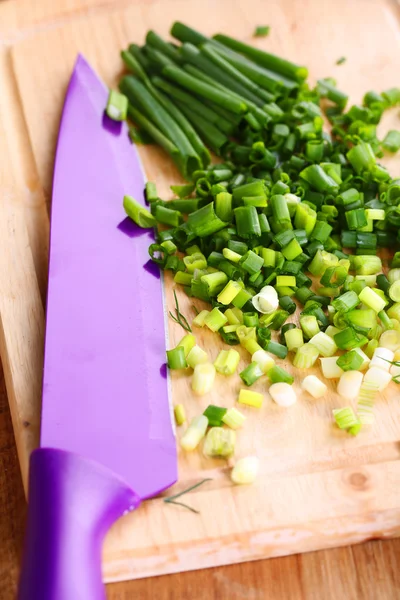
72, 503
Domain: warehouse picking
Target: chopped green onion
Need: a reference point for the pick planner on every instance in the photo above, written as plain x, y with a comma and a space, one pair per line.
371, 299
348, 338
251, 262
314, 386
194, 433
277, 374
180, 415
214, 282
391, 142
151, 192
247, 223
261, 31
250, 398
117, 106
198, 321
394, 291
349, 384
346, 419
187, 342
390, 340
229, 292
283, 394
215, 319
140, 215
309, 325
233, 418
305, 356
382, 358
227, 361
350, 361
234, 316
277, 349
214, 415
245, 470
264, 360
203, 378
266, 301
330, 368
196, 356
219, 442
378, 377
324, 344
176, 358
294, 339
251, 373
231, 255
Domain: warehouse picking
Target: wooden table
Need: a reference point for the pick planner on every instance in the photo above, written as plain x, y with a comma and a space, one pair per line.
365, 571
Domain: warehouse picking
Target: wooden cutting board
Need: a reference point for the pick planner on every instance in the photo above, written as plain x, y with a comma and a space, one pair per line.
318, 487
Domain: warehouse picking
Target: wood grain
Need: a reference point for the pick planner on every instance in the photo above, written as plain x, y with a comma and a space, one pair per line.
354, 482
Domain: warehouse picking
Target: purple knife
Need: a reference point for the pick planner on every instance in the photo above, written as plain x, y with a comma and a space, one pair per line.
107, 439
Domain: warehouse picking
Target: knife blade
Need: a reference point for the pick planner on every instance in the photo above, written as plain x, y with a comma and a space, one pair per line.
107, 438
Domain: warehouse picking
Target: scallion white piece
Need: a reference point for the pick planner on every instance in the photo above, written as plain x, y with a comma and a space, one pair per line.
283, 394
233, 418
349, 384
390, 339
203, 378
196, 356
324, 344
245, 470
314, 386
379, 377
266, 301
365, 358
382, 358
331, 330
264, 360
194, 433
330, 369
219, 442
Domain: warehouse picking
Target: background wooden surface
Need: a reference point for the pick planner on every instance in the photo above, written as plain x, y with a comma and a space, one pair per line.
358, 573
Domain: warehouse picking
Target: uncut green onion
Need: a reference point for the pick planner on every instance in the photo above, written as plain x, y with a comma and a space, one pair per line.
203, 89
265, 59
137, 93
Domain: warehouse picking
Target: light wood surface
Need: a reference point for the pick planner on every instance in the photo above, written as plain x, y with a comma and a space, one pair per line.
318, 488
